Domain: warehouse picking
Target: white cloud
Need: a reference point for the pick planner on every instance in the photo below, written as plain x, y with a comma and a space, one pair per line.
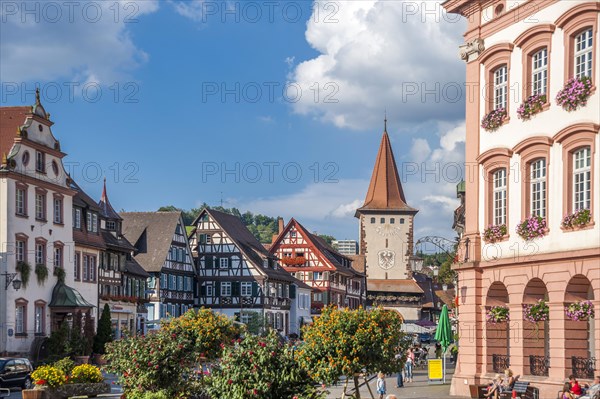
268, 119
347, 210
375, 56
420, 150
73, 41
192, 9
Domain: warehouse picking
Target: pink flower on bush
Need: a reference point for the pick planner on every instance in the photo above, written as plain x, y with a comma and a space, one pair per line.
575, 93
494, 233
536, 312
579, 218
531, 106
582, 310
532, 227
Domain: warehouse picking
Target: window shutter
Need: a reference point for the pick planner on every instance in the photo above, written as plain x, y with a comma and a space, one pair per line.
310, 276
254, 288
235, 288
292, 291
326, 276
202, 290
208, 262
326, 298
217, 289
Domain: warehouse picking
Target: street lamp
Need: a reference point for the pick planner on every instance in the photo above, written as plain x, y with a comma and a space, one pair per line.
10, 278
436, 270
416, 263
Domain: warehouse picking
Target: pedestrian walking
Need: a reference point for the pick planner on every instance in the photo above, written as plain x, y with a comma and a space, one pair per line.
399, 379
381, 385
410, 359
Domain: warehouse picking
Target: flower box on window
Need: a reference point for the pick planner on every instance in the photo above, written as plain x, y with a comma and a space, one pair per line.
531, 106
536, 312
497, 314
494, 119
575, 93
580, 311
532, 227
494, 233
577, 219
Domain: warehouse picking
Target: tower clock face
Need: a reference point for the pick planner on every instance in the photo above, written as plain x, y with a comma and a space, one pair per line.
387, 230
386, 259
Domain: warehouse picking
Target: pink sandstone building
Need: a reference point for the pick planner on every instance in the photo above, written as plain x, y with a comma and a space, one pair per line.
542, 166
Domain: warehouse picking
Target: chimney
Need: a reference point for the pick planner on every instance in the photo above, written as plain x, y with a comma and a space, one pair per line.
280, 225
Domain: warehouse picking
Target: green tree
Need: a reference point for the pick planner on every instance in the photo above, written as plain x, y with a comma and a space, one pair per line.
104, 333
260, 367
327, 238
349, 342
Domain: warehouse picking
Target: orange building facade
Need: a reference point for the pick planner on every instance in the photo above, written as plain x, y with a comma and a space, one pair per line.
540, 166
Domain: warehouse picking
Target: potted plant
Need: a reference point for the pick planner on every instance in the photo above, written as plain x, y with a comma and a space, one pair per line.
577, 219
44, 378
536, 312
532, 227
531, 106
103, 336
575, 93
41, 272
497, 314
24, 268
494, 233
60, 274
580, 311
494, 119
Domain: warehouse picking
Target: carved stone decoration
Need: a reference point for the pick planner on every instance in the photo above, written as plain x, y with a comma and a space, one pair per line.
386, 259
472, 49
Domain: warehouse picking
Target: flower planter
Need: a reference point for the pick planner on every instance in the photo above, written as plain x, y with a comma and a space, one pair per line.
67, 391
99, 360
81, 359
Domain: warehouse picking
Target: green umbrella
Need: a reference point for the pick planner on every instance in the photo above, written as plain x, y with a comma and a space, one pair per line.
443, 334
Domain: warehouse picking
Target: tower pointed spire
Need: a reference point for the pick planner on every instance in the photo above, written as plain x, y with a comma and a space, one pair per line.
385, 190
385, 120
107, 209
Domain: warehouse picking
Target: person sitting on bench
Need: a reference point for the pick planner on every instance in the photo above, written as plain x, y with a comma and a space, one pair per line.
494, 388
509, 381
566, 392
593, 392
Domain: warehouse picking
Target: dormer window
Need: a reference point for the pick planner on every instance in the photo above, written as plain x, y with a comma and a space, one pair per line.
76, 218
40, 162
111, 225
92, 222
293, 234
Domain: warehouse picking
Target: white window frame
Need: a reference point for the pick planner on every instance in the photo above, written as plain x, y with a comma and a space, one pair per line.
584, 46
20, 250
223, 263
40, 206
58, 210
77, 266
225, 288
539, 72
499, 197
582, 178
501, 87
318, 276
85, 275
210, 292
58, 256
20, 313
38, 319
20, 201
537, 187
246, 288
40, 162
40, 253
77, 218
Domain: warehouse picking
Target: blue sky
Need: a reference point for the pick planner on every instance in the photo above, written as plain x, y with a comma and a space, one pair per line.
194, 109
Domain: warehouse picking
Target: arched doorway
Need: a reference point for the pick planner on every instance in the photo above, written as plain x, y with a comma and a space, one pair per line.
579, 334
497, 336
536, 337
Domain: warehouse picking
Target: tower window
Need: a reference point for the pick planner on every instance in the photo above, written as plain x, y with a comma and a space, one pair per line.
382, 220
401, 220
372, 220
392, 220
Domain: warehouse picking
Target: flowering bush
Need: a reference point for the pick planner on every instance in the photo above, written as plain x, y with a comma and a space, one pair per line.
575, 93
579, 218
297, 261
494, 119
497, 314
536, 312
494, 233
161, 359
344, 342
531, 106
581, 310
260, 367
532, 227
66, 365
49, 376
86, 373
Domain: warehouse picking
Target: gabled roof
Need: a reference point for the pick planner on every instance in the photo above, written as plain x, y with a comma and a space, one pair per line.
82, 199
301, 284
246, 242
133, 267
106, 208
119, 243
385, 190
152, 234
332, 256
11, 118
82, 236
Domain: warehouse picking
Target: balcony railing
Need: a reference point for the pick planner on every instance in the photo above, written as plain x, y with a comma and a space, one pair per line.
500, 363
538, 365
583, 367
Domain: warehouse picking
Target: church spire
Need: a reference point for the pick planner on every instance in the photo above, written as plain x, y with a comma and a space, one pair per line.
385, 190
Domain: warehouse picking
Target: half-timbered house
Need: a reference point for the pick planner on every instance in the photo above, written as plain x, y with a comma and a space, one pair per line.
162, 248
311, 260
237, 275
121, 280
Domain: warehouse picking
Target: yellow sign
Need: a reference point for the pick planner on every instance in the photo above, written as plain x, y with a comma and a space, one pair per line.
434, 369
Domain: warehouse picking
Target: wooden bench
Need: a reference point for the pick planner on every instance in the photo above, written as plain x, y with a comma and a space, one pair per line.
524, 391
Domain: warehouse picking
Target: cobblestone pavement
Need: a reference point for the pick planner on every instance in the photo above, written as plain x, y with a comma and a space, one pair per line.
419, 389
